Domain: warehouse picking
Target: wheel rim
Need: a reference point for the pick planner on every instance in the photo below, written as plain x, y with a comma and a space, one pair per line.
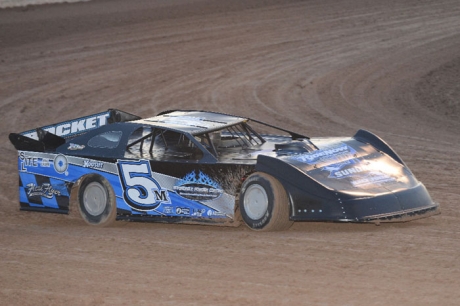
255, 201
95, 199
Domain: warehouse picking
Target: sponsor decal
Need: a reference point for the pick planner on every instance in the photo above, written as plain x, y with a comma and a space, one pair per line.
45, 190
74, 147
361, 174
326, 155
45, 163
61, 164
168, 210
73, 127
182, 211
198, 212
93, 164
375, 179
198, 186
140, 190
336, 170
349, 171
26, 161
212, 213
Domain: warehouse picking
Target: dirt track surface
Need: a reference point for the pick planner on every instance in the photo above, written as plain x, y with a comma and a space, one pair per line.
321, 67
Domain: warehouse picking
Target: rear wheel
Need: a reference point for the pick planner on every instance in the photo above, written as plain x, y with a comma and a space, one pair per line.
264, 204
96, 201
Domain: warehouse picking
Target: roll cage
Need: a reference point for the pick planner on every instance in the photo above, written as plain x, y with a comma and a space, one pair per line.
151, 139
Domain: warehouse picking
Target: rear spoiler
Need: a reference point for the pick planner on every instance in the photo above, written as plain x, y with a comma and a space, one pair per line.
51, 136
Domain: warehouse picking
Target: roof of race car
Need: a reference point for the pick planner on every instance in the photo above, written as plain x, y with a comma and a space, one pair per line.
193, 122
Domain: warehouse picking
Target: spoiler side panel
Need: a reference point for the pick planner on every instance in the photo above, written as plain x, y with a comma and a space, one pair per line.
378, 143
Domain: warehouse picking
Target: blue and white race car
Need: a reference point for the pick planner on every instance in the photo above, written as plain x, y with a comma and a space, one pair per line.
212, 168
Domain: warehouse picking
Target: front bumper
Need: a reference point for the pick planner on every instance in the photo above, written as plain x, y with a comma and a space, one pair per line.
398, 206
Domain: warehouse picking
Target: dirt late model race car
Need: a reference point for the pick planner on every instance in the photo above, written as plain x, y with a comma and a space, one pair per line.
212, 168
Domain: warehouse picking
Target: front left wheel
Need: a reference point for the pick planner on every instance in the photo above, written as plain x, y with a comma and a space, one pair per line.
264, 204
96, 201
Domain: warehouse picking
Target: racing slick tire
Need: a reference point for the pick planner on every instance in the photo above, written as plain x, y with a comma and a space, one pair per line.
264, 204
96, 201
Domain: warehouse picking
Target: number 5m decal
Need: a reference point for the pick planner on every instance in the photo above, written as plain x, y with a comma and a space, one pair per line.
140, 190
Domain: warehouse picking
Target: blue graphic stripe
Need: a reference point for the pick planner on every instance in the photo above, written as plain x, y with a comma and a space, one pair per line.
23, 195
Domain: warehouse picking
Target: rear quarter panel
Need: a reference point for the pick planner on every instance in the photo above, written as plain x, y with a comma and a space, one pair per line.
143, 188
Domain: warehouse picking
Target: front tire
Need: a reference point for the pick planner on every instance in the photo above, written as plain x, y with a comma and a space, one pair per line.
96, 201
264, 204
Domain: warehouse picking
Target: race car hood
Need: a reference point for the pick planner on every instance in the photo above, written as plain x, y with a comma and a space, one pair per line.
357, 179
350, 166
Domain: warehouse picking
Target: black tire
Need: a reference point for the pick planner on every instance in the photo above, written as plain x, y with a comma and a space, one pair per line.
96, 201
264, 204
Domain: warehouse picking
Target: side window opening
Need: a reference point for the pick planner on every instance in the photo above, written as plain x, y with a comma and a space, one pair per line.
239, 136
210, 141
139, 141
180, 146
155, 143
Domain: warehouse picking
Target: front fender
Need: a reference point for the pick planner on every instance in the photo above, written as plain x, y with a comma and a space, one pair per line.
309, 199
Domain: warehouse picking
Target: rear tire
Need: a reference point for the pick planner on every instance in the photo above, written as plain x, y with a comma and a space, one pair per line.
264, 204
97, 203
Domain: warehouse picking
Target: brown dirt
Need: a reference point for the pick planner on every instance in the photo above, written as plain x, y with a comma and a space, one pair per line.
321, 67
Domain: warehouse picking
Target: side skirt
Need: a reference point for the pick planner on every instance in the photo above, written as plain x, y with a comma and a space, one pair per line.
160, 219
